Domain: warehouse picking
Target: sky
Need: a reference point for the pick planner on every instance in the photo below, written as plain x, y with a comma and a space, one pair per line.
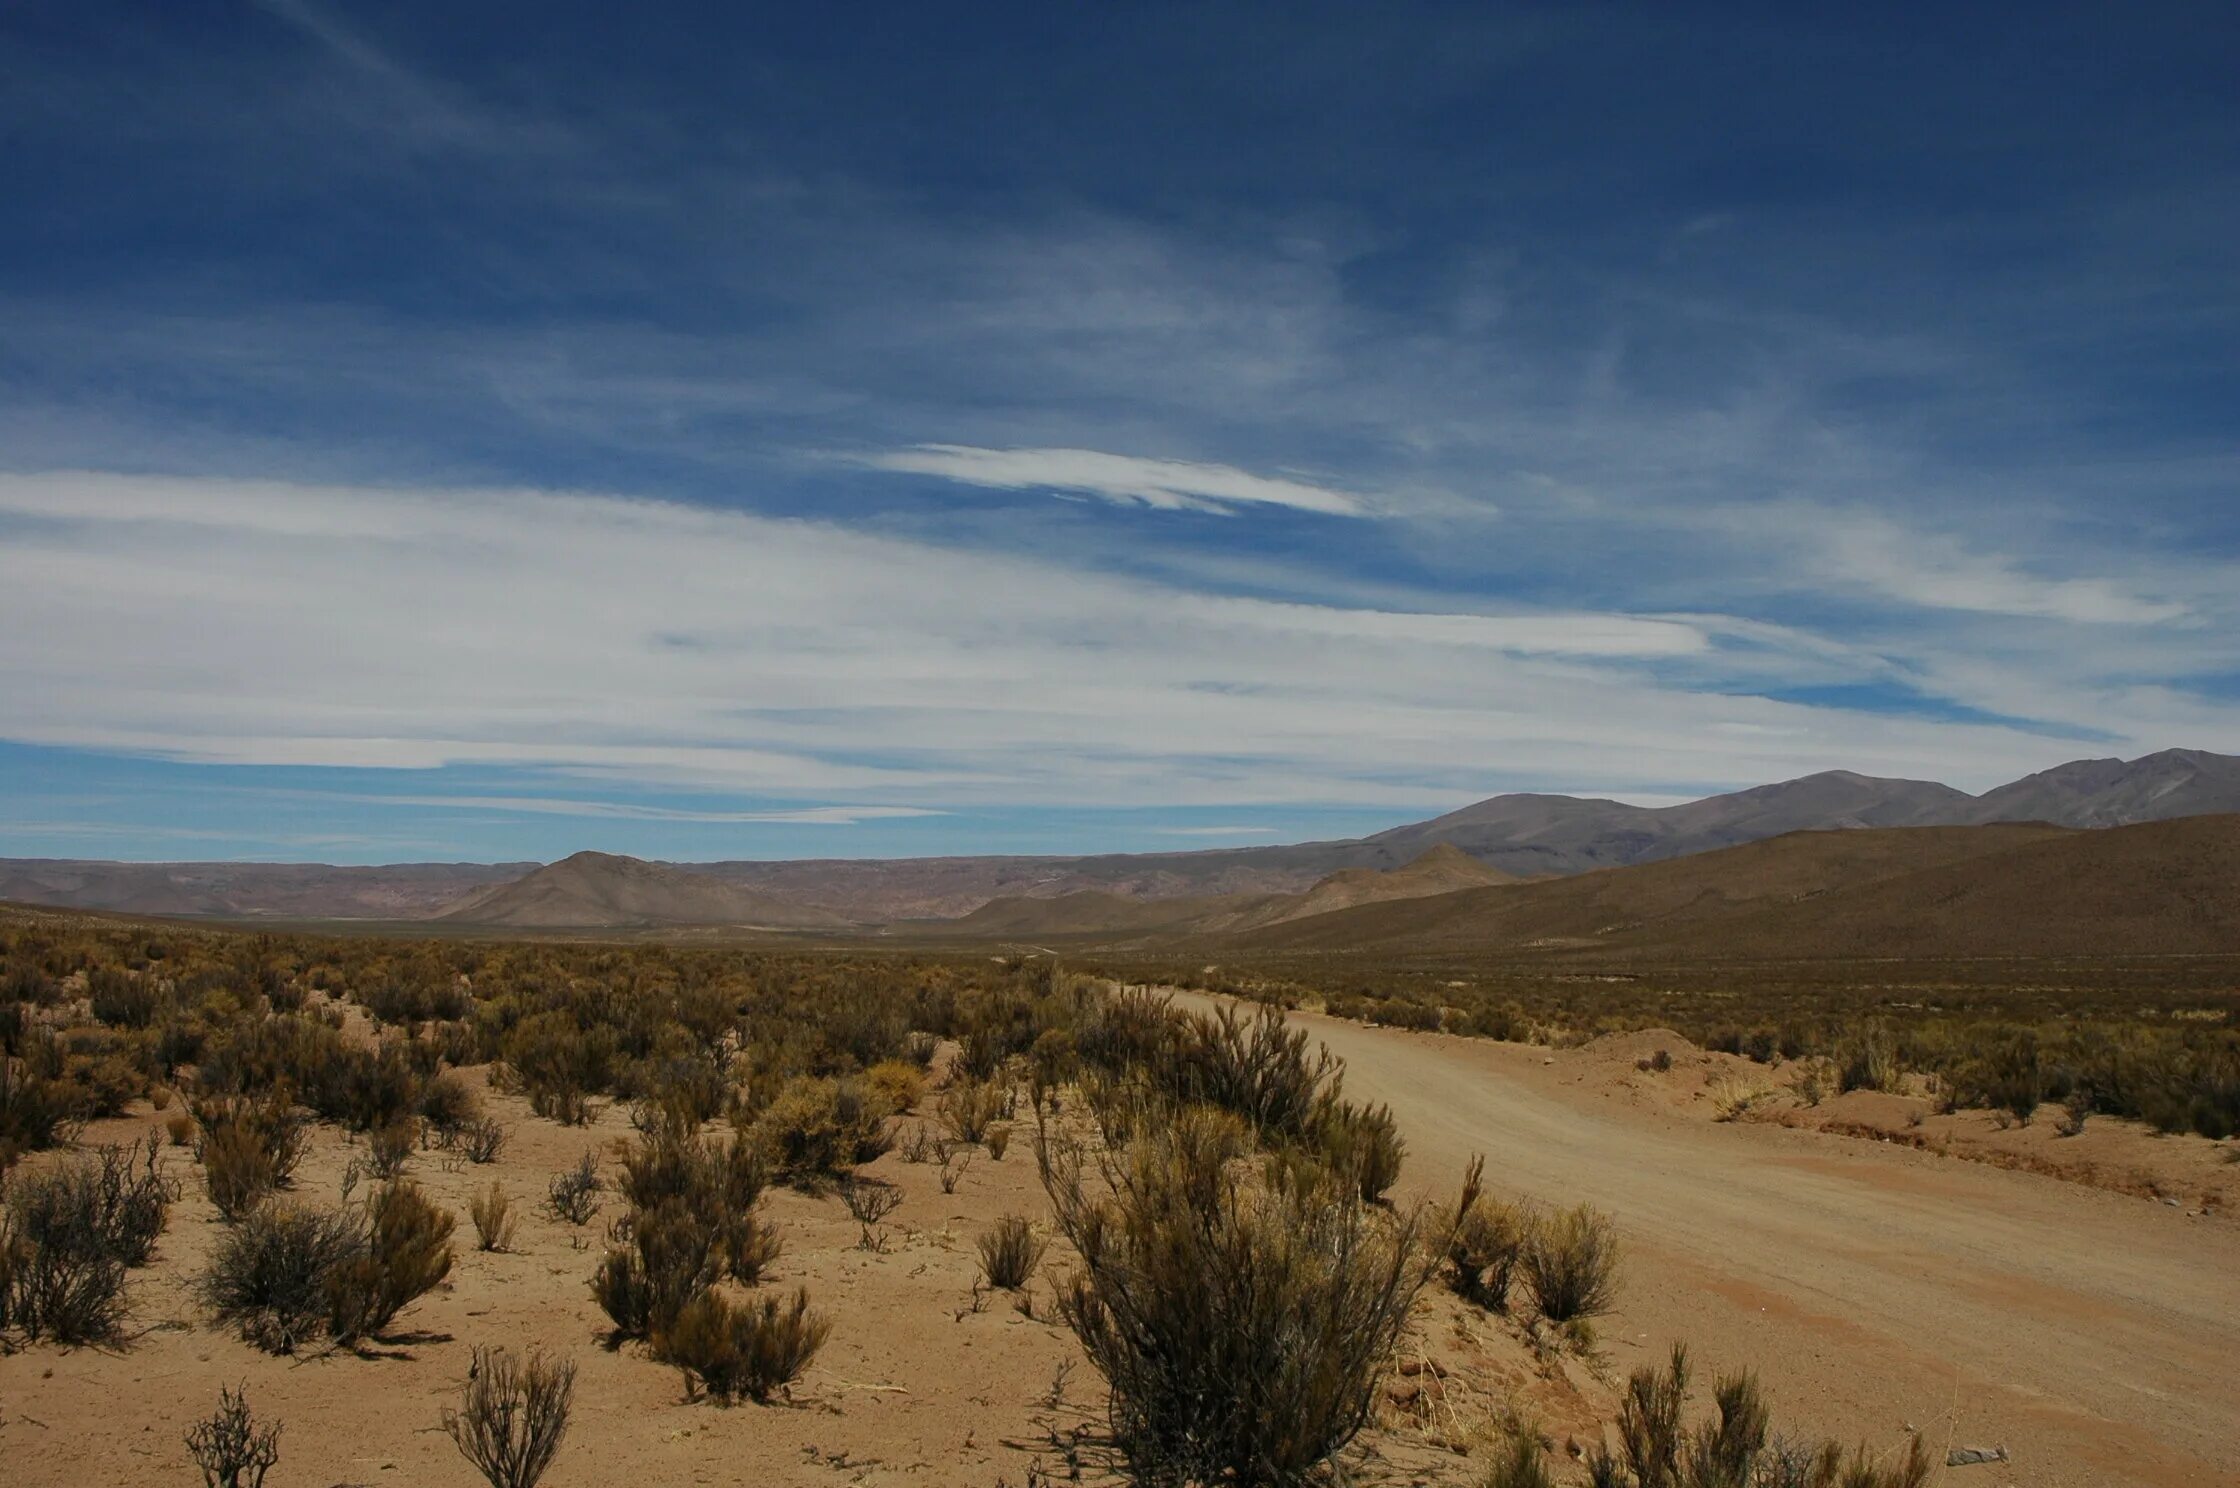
438, 431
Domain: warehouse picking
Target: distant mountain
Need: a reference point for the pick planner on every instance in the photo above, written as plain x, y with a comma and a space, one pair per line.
405, 891
2116, 793
600, 891
1528, 836
1444, 869
1534, 835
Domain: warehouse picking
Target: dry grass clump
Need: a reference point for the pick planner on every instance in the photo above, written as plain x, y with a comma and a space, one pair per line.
1733, 1095
1010, 1252
728, 1349
1569, 1264
970, 1107
1240, 1319
494, 1218
513, 1416
229, 1446
1733, 1448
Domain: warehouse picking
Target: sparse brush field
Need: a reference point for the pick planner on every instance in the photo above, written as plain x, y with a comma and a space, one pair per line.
2150, 1039
360, 1210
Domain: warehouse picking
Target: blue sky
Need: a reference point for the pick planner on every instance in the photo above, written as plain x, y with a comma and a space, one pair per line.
437, 431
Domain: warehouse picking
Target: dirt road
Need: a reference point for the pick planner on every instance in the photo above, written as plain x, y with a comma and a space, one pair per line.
1872, 1286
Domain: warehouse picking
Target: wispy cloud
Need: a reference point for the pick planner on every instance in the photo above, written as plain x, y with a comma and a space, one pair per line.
1168, 485
813, 816
1940, 571
658, 643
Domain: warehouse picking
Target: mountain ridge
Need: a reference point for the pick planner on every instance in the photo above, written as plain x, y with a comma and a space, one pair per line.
1524, 835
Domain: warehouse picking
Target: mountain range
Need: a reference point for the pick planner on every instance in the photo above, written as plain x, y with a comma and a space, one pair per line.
1514, 836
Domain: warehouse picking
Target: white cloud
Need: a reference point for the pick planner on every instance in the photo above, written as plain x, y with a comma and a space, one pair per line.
618, 640
1939, 571
1169, 485
811, 816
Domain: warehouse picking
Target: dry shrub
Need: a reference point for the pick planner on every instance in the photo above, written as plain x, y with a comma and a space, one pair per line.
482, 1141
407, 1254
1483, 1250
390, 1147
968, 1108
997, 1141
113, 1205
269, 1274
820, 1128
573, 1193
448, 1106
66, 1295
248, 1149
232, 1450
494, 1218
1364, 1144
1240, 1323
1519, 1463
717, 1184
36, 1110
901, 1083
752, 1348
1570, 1266
513, 1416
1010, 1252
667, 1258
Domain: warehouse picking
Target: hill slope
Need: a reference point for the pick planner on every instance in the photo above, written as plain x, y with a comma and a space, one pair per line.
2159, 888
1442, 870
602, 891
1624, 905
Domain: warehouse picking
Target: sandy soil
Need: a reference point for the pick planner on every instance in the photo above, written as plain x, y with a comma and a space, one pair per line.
1874, 1285
914, 1387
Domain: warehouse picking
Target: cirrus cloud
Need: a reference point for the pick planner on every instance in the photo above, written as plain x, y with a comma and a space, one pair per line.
1165, 485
